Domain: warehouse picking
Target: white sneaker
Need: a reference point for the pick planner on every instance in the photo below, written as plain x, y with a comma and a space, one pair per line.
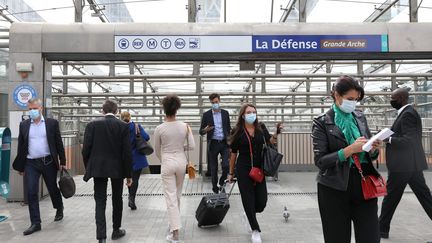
170, 239
256, 237
246, 223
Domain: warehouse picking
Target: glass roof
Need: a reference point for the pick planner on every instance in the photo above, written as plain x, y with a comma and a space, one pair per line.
238, 11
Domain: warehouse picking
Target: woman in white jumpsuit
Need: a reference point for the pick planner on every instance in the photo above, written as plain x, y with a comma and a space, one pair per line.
170, 139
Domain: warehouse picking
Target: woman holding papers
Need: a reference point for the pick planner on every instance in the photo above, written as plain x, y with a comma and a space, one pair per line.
337, 135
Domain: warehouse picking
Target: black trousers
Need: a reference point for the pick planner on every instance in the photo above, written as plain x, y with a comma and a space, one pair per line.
396, 184
135, 180
214, 149
100, 196
253, 195
339, 208
34, 168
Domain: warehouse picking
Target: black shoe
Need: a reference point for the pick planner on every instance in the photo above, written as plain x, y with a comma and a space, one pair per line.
215, 190
208, 174
131, 203
384, 235
117, 234
59, 215
102, 240
33, 228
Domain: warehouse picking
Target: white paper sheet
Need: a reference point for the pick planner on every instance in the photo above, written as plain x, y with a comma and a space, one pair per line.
383, 134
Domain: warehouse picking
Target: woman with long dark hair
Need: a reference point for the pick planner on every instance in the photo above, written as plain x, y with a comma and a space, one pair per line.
338, 137
247, 142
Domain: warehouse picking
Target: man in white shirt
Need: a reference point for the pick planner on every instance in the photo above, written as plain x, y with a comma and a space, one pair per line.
216, 124
40, 152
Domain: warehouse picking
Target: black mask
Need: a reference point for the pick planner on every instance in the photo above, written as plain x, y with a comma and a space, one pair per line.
395, 104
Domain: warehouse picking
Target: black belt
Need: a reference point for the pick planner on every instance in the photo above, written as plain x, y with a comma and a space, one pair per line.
219, 141
46, 160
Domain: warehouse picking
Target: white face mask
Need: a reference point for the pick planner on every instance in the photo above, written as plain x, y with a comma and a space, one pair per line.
348, 106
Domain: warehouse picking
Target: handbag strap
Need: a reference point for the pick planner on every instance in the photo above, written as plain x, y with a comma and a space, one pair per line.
250, 145
137, 130
63, 171
187, 142
357, 164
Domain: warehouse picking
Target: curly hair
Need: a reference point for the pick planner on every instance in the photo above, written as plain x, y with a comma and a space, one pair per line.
171, 103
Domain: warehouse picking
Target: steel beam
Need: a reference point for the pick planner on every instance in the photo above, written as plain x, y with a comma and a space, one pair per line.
187, 94
302, 11
287, 11
192, 11
240, 75
413, 10
132, 81
393, 78
79, 5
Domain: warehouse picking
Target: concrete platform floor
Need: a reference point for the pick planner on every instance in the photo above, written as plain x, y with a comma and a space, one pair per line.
296, 191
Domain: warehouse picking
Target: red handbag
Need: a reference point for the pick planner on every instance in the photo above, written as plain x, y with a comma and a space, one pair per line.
372, 186
256, 173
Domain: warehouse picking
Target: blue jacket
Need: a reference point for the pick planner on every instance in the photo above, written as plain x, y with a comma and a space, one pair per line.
139, 161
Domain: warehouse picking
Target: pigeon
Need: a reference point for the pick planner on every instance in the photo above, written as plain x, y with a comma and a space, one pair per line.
285, 214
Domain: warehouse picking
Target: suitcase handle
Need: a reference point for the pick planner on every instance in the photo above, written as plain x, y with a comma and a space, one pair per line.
232, 187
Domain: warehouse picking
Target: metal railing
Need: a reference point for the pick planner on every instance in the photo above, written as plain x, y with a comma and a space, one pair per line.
298, 151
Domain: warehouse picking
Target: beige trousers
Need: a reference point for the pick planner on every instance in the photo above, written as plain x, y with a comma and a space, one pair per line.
173, 170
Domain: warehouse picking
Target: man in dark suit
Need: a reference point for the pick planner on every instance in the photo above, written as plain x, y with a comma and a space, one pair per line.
40, 152
216, 124
405, 161
107, 153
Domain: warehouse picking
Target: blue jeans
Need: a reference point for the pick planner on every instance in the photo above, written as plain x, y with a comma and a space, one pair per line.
33, 170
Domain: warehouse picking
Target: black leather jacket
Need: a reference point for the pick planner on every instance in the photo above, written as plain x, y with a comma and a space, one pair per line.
327, 140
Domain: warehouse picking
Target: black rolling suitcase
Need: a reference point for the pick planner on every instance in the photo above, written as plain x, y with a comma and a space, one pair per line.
213, 208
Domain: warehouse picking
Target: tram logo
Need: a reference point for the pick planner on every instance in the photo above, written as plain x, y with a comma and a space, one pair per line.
165, 43
180, 43
123, 43
194, 43
137, 43
151, 43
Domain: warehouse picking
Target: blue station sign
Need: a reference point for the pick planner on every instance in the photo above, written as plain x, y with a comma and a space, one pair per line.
252, 43
320, 43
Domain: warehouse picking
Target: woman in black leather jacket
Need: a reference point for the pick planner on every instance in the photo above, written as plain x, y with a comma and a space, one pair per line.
337, 135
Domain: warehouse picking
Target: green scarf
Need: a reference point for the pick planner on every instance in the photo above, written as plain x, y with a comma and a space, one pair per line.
348, 125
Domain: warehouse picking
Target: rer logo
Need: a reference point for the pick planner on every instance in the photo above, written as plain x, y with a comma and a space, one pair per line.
123, 43
194, 43
137, 43
151, 43
165, 43
180, 43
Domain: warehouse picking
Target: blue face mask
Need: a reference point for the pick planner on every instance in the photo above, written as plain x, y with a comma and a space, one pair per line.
348, 106
34, 114
250, 118
215, 106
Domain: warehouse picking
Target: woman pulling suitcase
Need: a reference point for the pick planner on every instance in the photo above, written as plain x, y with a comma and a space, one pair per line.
247, 140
